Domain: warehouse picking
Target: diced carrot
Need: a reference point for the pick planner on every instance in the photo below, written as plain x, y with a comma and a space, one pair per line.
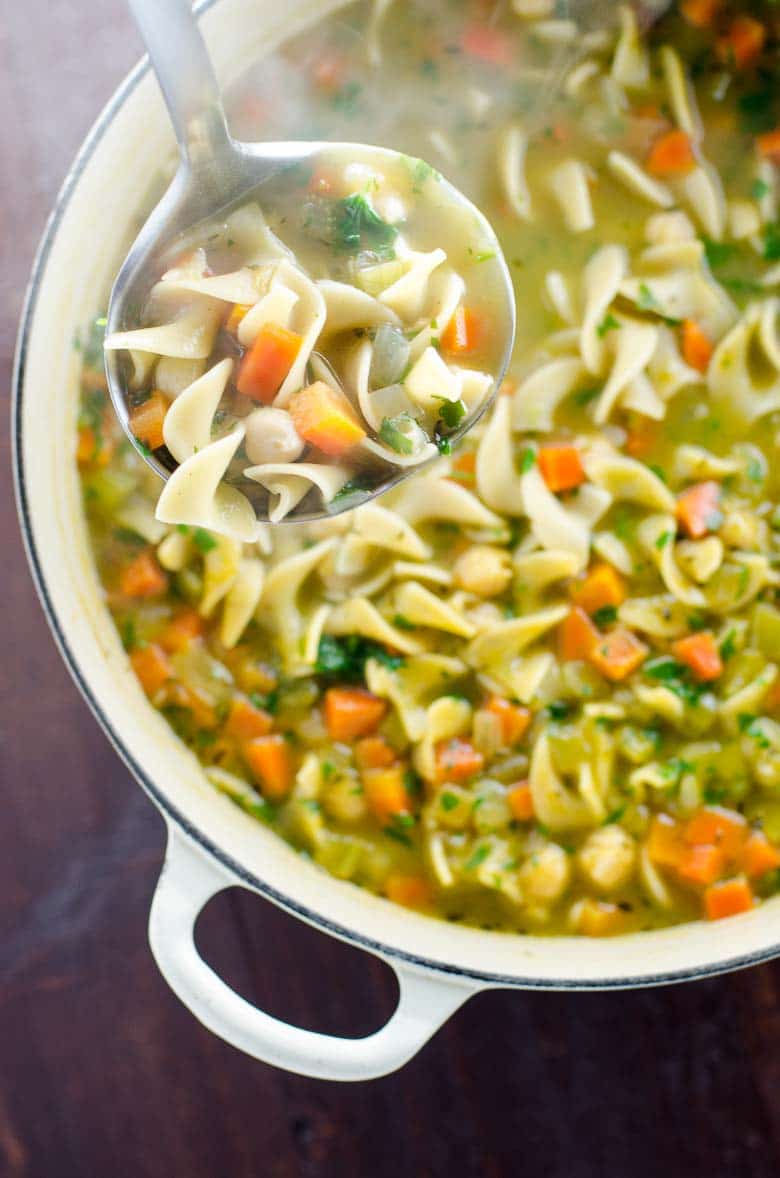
328, 72
324, 417
514, 718
759, 855
267, 363
386, 792
146, 420
698, 509
464, 467
701, 864
95, 447
152, 666
618, 654
457, 760
143, 577
179, 695
700, 653
270, 761
237, 313
641, 439
413, 891
601, 587
561, 467
373, 752
665, 843
464, 333
521, 802
486, 44
320, 183
245, 721
696, 346
599, 918
742, 44
719, 827
728, 898
700, 13
183, 628
86, 448
577, 636
671, 155
351, 712
768, 145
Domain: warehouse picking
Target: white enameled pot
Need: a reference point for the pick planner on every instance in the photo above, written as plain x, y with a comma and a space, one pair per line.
212, 844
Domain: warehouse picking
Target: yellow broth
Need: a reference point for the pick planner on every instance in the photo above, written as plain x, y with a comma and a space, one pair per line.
669, 773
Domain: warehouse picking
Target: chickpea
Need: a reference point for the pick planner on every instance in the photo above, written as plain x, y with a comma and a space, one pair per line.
271, 436
607, 858
484, 570
545, 876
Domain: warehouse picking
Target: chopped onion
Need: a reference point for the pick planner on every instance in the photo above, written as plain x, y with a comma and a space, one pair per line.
390, 356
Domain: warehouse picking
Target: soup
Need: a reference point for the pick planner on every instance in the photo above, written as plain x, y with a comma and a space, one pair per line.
535, 688
225, 381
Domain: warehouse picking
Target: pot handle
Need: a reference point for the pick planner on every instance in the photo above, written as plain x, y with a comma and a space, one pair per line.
188, 881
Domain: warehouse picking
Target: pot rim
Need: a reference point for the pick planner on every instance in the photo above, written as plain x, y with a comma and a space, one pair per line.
167, 808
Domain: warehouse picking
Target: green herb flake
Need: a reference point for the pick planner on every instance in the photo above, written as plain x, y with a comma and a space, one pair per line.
203, 540
609, 323
614, 816
527, 460
585, 396
663, 540
345, 658
403, 623
559, 710
451, 412
717, 253
772, 241
728, 647
605, 615
357, 226
478, 857
449, 802
759, 189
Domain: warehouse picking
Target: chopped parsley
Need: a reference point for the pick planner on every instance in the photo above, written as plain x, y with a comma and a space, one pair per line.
451, 412
718, 253
345, 658
478, 857
527, 459
756, 110
559, 710
357, 486
403, 623
609, 323
605, 615
663, 540
759, 188
448, 802
357, 226
751, 726
203, 540
772, 241
585, 396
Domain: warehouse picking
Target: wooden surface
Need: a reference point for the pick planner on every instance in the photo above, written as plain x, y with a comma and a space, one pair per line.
103, 1073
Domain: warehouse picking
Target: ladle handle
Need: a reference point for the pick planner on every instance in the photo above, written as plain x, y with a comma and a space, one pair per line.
180, 60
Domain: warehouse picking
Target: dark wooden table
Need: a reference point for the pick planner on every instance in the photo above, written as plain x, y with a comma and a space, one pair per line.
103, 1073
